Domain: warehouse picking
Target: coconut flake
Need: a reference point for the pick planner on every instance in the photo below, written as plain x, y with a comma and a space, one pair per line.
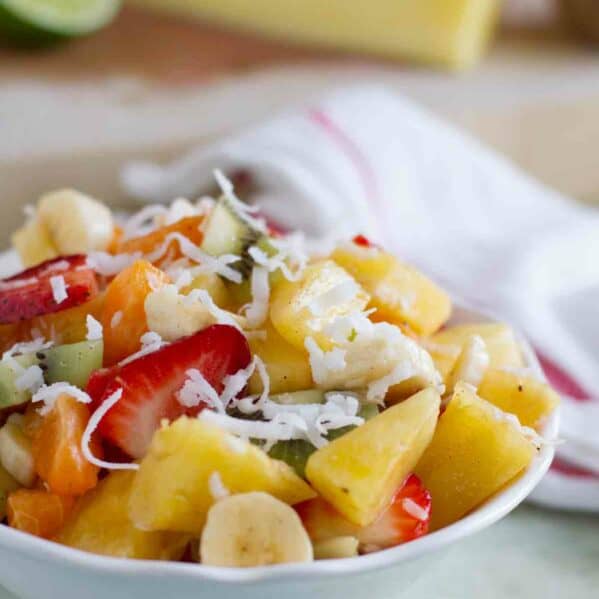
143, 221
217, 487
92, 424
197, 390
115, 321
257, 311
221, 316
31, 380
94, 328
414, 510
342, 293
59, 289
150, 342
323, 362
109, 265
27, 347
290, 256
48, 394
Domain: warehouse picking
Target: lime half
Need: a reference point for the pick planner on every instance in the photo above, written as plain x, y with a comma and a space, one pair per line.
40, 21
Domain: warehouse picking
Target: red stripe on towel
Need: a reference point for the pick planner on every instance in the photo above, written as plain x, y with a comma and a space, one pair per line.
561, 380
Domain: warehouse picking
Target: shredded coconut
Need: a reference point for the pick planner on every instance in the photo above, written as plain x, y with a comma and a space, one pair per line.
27, 347
342, 293
217, 487
109, 265
207, 263
257, 311
414, 510
143, 221
48, 394
290, 256
94, 328
92, 424
197, 390
150, 342
221, 316
31, 380
59, 289
115, 321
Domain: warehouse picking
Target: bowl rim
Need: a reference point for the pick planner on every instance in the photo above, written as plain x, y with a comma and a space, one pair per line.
488, 513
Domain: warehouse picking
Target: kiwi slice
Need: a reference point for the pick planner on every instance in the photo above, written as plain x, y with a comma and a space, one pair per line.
71, 363
228, 232
296, 452
9, 394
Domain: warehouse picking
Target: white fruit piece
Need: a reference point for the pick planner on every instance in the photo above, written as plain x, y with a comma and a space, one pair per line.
372, 356
253, 529
75, 222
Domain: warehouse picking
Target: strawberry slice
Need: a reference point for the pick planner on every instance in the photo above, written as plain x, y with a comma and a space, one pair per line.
30, 292
150, 384
406, 519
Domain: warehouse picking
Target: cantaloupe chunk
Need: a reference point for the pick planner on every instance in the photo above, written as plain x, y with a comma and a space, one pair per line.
359, 472
401, 294
101, 525
474, 453
526, 397
173, 490
302, 308
288, 367
126, 296
500, 342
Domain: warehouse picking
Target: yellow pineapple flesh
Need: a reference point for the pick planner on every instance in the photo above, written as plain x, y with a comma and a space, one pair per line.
288, 368
101, 524
301, 309
474, 453
172, 489
401, 294
359, 472
499, 339
529, 399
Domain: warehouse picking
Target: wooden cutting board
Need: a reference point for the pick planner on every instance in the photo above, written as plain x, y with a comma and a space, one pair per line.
153, 86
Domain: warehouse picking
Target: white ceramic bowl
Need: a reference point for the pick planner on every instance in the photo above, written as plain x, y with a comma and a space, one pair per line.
34, 568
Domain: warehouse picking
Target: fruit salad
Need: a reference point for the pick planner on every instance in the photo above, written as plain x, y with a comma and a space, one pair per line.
190, 384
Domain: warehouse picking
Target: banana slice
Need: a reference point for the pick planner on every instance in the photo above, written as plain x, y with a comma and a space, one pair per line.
335, 548
75, 222
253, 529
33, 244
471, 365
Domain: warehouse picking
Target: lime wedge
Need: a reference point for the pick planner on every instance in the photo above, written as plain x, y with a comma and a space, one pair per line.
36, 22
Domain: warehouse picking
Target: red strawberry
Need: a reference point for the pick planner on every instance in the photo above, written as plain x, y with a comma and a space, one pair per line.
29, 293
151, 382
362, 241
407, 518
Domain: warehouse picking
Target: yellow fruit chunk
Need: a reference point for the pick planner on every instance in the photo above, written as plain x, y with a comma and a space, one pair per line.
214, 285
7, 485
288, 368
500, 342
526, 397
33, 243
448, 32
400, 294
359, 472
101, 525
475, 451
173, 489
302, 308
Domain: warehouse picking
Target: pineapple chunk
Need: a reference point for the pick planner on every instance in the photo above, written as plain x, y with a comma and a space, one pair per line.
214, 285
288, 368
526, 397
359, 472
33, 243
100, 524
500, 341
474, 453
400, 294
303, 308
172, 489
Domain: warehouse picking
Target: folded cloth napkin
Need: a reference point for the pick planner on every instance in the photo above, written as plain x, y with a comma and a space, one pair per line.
366, 160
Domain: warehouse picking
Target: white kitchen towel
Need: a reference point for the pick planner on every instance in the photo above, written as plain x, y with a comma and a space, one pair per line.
366, 160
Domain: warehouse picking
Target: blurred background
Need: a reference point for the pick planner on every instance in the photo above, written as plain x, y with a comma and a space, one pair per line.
151, 77
88, 84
